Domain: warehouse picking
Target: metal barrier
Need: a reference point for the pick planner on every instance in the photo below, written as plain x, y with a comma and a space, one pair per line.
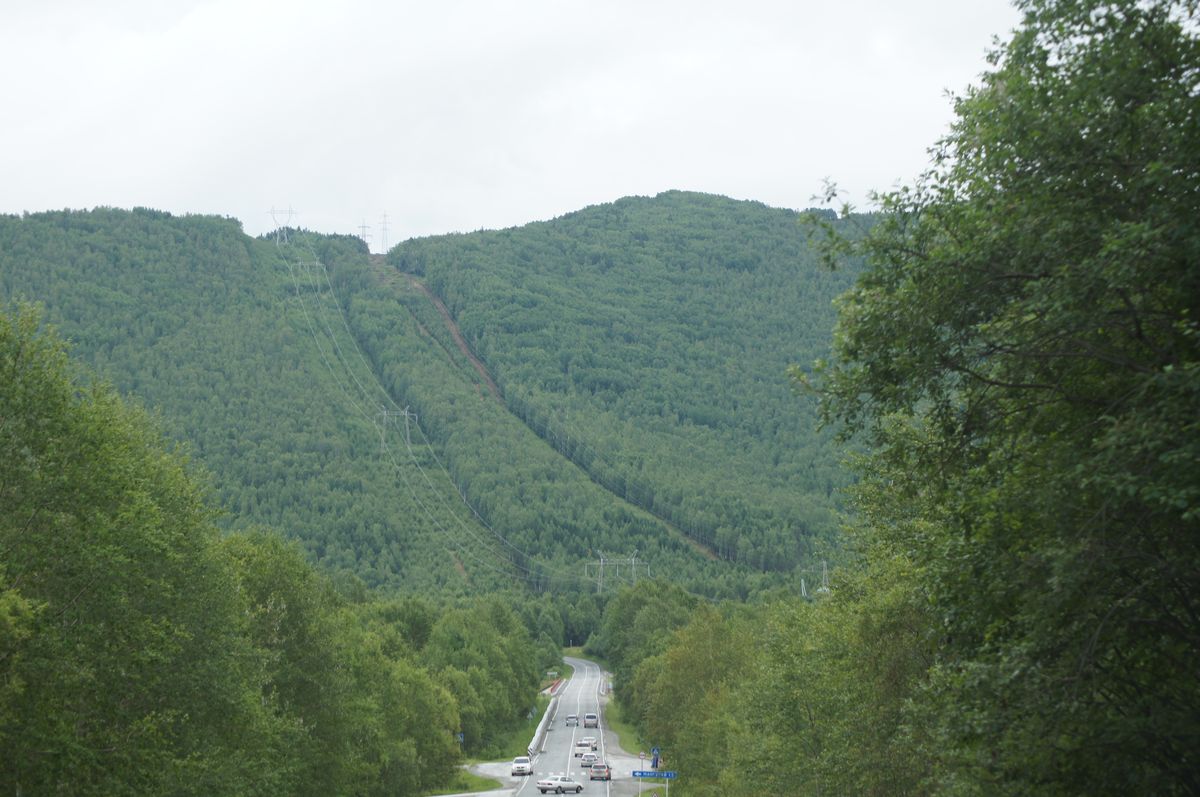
539, 736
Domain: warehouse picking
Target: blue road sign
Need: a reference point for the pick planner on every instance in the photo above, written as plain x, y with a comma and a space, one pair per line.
652, 773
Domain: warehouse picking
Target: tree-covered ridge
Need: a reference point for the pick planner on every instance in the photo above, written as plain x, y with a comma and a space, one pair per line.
276, 360
647, 340
218, 332
544, 517
141, 652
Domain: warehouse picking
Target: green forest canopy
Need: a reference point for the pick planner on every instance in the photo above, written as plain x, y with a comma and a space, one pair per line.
647, 340
275, 359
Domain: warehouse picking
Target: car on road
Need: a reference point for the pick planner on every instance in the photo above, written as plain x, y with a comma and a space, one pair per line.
591, 720
521, 765
587, 759
572, 719
589, 740
559, 784
600, 771
582, 747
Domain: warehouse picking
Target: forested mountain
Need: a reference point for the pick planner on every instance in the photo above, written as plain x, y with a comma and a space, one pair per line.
202, 324
287, 365
645, 340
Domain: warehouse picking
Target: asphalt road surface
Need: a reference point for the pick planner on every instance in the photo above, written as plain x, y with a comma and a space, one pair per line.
588, 690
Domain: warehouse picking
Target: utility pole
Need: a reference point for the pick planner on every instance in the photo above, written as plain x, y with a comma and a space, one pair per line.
383, 232
824, 588
408, 416
281, 230
362, 233
608, 562
405, 414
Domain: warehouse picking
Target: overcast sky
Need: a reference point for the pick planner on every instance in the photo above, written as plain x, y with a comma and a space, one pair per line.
458, 115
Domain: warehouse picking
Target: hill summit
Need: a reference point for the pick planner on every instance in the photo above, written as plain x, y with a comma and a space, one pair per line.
519, 404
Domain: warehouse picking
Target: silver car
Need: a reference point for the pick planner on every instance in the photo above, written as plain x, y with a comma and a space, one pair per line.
559, 784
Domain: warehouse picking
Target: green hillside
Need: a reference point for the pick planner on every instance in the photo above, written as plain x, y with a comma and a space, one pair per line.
648, 340
203, 325
286, 367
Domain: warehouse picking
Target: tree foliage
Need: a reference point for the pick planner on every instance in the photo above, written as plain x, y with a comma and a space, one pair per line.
126, 670
142, 653
231, 339
1020, 359
1022, 354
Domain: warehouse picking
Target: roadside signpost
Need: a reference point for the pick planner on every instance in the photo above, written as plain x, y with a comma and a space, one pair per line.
654, 773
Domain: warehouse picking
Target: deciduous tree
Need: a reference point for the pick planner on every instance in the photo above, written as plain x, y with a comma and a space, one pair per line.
1023, 356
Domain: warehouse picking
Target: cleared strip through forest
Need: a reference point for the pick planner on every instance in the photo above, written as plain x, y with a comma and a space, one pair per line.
388, 276
458, 338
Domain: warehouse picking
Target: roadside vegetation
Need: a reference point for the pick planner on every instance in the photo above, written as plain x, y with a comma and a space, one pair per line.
1022, 359
142, 652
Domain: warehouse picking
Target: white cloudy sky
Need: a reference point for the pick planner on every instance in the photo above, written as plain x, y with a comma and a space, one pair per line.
457, 115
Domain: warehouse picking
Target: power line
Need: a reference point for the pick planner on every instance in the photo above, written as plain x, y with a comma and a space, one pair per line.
613, 566
342, 387
281, 230
340, 357
428, 443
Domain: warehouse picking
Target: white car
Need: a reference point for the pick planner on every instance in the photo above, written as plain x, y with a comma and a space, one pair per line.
582, 747
590, 720
587, 759
589, 740
522, 765
559, 784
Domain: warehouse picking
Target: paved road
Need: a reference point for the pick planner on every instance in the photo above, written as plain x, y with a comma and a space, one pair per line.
586, 691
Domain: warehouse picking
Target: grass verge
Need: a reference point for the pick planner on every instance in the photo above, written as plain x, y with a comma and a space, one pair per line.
466, 781
627, 735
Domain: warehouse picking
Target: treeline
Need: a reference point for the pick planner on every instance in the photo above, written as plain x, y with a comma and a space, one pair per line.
143, 652
647, 340
787, 696
1022, 355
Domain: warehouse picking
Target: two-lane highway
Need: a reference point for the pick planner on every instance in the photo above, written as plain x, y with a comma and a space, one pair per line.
586, 692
